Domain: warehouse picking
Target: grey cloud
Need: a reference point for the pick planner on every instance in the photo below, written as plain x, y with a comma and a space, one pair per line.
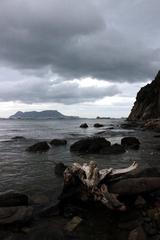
36, 90
107, 40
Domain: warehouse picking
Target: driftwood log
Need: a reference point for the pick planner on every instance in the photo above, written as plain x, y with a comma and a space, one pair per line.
86, 182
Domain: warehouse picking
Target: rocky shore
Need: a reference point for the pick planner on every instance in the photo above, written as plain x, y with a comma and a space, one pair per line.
76, 218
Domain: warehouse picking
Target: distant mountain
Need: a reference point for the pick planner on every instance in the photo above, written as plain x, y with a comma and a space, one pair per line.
48, 114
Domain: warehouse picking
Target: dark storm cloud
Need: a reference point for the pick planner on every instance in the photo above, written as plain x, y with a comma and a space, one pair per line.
111, 40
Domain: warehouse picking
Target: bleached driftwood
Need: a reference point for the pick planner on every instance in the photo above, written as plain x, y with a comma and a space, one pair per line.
92, 182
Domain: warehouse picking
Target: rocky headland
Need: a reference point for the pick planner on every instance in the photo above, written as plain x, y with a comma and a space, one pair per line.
147, 104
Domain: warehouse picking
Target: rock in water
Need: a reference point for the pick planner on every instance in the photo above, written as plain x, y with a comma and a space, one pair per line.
39, 147
130, 142
97, 125
10, 215
18, 138
90, 145
13, 199
84, 125
147, 105
58, 142
96, 145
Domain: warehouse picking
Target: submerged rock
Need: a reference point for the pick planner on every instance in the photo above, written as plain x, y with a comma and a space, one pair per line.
20, 214
97, 125
96, 145
13, 199
39, 147
84, 125
58, 142
130, 142
18, 138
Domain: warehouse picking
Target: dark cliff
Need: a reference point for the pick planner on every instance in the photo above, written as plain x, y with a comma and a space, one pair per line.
147, 104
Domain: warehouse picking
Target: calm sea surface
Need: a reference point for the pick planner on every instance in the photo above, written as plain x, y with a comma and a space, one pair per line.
34, 173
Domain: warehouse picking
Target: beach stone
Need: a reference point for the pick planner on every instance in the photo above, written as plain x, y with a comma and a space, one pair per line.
58, 142
59, 169
130, 142
98, 125
39, 147
137, 234
84, 125
11, 198
20, 214
90, 145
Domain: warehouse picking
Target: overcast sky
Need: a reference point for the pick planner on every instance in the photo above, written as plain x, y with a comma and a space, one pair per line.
83, 58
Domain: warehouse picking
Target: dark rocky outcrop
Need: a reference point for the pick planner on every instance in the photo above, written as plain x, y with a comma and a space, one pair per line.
97, 125
147, 105
84, 125
130, 142
58, 142
90, 145
39, 147
96, 145
152, 124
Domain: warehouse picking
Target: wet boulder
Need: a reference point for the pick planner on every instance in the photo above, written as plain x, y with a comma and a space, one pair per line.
11, 198
18, 138
59, 169
98, 125
19, 214
117, 148
84, 125
130, 142
90, 145
39, 147
113, 149
58, 142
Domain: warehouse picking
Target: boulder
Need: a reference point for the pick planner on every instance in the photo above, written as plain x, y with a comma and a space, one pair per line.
90, 145
11, 198
147, 105
18, 138
98, 125
84, 125
117, 148
20, 214
59, 169
39, 147
58, 142
130, 142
